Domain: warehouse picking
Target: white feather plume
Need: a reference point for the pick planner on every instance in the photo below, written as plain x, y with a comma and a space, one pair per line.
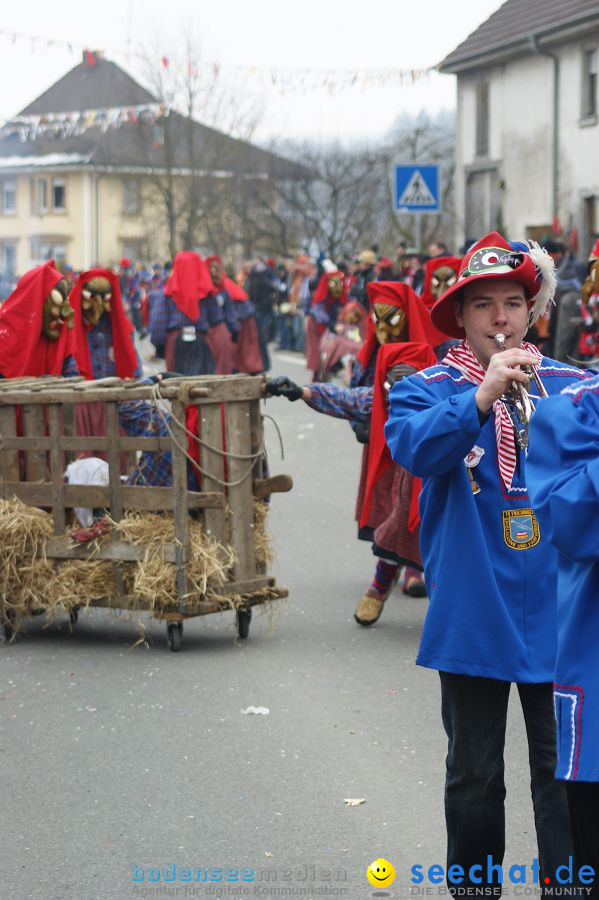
548, 279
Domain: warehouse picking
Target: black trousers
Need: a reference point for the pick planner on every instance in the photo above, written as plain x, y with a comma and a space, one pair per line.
474, 714
583, 802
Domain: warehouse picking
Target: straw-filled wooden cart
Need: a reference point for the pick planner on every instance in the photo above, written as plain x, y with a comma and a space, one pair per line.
38, 437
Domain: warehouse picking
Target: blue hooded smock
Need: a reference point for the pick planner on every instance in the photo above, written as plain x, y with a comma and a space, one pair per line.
563, 474
491, 573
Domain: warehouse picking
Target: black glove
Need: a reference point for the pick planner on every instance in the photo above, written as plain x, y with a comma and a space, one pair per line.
162, 376
396, 373
281, 386
362, 432
235, 336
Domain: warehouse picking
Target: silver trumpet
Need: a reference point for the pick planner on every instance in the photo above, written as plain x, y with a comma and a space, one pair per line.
518, 401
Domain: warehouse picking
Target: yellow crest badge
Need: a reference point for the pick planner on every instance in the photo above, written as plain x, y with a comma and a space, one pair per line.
520, 529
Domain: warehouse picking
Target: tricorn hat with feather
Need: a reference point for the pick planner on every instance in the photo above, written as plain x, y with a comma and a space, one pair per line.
495, 257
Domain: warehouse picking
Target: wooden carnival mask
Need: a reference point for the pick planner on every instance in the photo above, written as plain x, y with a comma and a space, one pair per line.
95, 299
441, 280
56, 311
216, 273
591, 285
335, 286
389, 323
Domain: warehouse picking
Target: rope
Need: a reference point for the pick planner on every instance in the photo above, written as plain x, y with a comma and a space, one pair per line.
205, 444
278, 430
190, 458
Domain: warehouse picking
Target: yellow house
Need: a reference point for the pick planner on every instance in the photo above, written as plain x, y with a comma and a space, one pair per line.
85, 171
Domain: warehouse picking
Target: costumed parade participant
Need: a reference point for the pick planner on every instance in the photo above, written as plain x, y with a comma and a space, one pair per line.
104, 345
589, 331
195, 327
175, 314
385, 498
440, 273
37, 336
246, 355
104, 334
328, 300
132, 294
563, 474
341, 347
455, 426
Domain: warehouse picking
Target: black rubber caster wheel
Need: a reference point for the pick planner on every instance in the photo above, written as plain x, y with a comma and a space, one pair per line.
174, 635
244, 617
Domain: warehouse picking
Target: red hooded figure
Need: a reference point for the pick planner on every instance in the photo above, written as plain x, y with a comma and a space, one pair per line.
246, 352
417, 351
24, 347
328, 299
440, 273
189, 282
126, 360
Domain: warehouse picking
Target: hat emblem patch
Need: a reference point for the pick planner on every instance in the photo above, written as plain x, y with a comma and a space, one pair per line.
492, 261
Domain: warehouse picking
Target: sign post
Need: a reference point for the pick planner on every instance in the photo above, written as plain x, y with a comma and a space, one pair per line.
416, 190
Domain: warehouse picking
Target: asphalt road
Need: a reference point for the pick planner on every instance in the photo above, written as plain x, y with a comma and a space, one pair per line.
117, 757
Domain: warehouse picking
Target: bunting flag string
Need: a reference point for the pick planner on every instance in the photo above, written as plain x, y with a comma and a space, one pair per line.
283, 80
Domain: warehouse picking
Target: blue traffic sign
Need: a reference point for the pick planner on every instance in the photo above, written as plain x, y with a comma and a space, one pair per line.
417, 189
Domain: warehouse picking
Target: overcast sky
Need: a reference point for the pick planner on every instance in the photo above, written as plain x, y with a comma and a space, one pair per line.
334, 34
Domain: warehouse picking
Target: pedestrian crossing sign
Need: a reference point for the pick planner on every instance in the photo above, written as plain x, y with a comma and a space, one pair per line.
417, 188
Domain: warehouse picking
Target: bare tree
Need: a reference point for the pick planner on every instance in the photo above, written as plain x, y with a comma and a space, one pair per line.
426, 140
333, 205
193, 166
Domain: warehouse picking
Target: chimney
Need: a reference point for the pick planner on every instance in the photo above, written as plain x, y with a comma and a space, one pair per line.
91, 57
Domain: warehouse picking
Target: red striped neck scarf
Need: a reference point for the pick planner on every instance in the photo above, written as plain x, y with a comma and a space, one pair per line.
463, 359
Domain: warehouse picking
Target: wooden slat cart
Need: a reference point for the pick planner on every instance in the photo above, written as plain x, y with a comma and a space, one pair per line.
32, 465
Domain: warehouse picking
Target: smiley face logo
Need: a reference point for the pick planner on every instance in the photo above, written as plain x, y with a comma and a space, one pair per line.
380, 873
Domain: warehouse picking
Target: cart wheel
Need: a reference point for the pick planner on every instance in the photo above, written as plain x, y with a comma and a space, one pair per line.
74, 616
244, 617
174, 633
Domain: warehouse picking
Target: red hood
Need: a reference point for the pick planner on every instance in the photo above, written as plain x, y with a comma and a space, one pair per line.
125, 357
189, 283
24, 349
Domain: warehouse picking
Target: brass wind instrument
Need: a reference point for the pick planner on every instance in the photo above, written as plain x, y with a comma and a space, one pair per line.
517, 400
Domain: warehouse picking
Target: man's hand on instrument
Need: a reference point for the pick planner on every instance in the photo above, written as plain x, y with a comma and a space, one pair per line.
503, 369
281, 386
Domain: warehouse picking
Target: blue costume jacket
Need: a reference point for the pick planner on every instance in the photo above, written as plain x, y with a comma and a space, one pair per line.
491, 576
563, 474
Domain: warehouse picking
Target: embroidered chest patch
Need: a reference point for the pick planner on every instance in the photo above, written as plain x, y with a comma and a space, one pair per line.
520, 529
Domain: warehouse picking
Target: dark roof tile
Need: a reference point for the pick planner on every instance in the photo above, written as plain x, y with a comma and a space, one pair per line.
515, 22
101, 86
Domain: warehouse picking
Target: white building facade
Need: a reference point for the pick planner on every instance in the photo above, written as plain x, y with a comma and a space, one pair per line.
527, 155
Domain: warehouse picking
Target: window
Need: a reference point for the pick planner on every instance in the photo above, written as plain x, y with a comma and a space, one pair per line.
41, 204
45, 248
9, 196
58, 194
133, 250
589, 83
482, 118
8, 258
131, 196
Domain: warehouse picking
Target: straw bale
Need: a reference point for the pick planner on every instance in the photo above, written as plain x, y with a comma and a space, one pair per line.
265, 553
25, 573
152, 579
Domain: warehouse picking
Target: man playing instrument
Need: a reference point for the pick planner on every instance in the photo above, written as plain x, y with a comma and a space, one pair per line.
490, 570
